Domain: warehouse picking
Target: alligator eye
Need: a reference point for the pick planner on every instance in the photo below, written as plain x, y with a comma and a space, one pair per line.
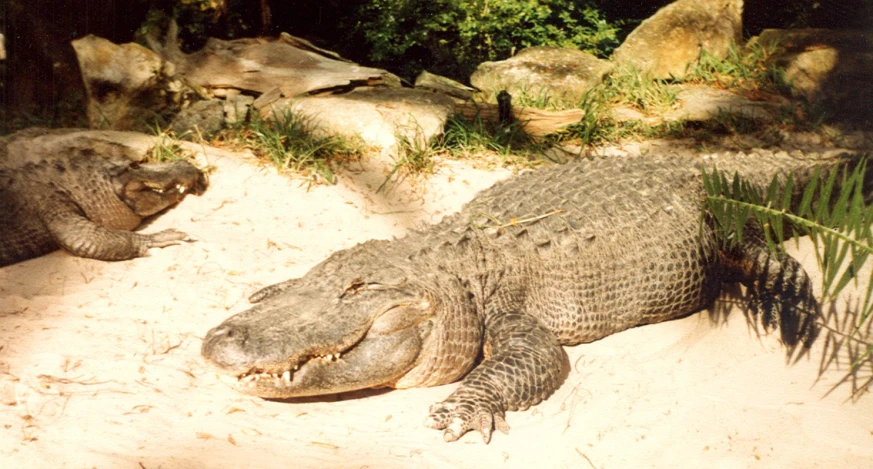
354, 287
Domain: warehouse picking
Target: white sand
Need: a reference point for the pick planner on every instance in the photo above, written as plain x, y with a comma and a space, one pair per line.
100, 362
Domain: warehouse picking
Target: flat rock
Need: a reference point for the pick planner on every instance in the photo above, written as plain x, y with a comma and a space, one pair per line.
376, 115
700, 103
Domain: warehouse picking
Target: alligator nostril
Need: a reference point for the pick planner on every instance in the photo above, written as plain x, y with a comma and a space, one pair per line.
237, 334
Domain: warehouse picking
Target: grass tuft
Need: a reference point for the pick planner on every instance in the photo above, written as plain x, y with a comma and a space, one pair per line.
288, 142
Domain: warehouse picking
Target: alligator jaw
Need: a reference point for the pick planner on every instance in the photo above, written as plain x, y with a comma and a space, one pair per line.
272, 352
149, 188
373, 362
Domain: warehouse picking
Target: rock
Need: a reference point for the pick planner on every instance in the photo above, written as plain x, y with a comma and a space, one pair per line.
829, 69
666, 44
377, 115
202, 118
428, 81
236, 107
701, 103
562, 74
129, 87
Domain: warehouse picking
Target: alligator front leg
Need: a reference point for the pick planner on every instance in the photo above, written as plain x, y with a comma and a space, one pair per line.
84, 238
522, 367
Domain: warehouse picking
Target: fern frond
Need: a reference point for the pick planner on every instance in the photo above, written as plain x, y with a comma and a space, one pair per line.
832, 210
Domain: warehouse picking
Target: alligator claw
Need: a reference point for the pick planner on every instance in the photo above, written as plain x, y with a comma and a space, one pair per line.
165, 238
458, 419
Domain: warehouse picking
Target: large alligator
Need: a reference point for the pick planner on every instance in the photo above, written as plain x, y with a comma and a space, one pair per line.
74, 190
557, 256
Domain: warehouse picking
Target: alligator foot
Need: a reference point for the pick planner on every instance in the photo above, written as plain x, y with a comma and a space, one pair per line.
165, 238
464, 411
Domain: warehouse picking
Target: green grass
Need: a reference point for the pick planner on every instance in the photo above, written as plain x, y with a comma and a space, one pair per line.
751, 69
628, 86
415, 155
466, 139
288, 142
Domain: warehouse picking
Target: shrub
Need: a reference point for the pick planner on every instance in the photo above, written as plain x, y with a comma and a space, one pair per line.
451, 37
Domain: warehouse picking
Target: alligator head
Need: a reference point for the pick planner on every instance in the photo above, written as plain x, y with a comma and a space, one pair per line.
344, 327
148, 188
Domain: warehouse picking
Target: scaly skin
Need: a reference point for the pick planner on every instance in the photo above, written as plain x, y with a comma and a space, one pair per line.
66, 189
559, 256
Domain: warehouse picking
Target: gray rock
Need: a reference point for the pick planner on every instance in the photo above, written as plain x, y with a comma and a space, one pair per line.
560, 73
377, 115
701, 103
236, 107
203, 117
428, 81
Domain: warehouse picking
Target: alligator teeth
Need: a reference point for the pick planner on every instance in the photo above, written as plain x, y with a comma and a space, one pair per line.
332, 357
286, 376
181, 188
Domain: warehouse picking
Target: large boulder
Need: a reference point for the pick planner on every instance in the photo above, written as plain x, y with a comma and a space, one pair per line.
829, 69
129, 87
666, 44
379, 116
563, 75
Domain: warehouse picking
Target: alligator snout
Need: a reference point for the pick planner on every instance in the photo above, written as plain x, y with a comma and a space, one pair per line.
224, 347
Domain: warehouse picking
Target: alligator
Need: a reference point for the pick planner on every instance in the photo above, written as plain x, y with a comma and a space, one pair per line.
80, 191
558, 256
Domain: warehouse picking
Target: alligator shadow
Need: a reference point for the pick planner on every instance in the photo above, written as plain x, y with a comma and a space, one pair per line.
338, 397
845, 350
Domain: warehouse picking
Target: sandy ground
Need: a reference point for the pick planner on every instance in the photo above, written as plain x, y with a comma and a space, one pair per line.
100, 362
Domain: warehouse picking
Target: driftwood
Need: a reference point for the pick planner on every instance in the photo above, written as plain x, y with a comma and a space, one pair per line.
259, 65
292, 65
132, 87
535, 122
